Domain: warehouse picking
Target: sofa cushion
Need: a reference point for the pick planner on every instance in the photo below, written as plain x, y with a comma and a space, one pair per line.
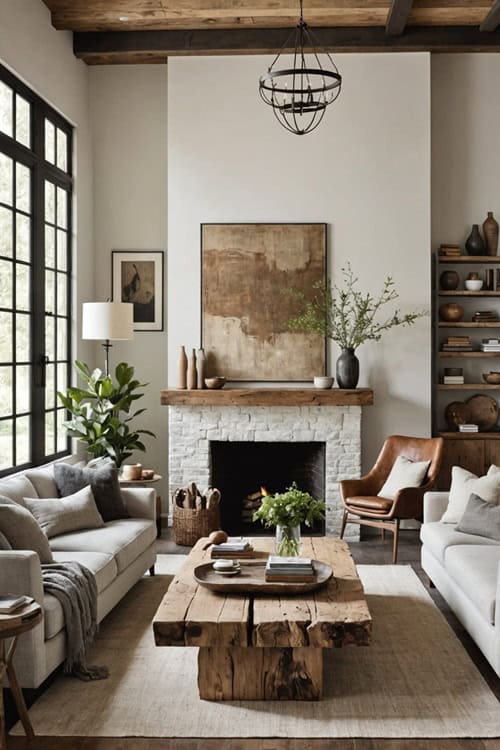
125, 539
103, 479
475, 570
22, 531
42, 479
61, 515
53, 616
481, 518
464, 484
16, 488
439, 536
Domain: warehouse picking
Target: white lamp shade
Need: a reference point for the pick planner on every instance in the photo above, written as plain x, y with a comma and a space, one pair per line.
108, 320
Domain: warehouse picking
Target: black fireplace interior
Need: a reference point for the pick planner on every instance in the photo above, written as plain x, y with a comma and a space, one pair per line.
241, 469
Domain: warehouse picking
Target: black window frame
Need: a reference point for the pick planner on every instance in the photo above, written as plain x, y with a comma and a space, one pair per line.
41, 170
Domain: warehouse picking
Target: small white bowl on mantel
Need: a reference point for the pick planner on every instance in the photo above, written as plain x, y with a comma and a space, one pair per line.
323, 381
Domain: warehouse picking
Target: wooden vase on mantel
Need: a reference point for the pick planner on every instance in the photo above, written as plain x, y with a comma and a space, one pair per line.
490, 232
201, 367
192, 378
182, 366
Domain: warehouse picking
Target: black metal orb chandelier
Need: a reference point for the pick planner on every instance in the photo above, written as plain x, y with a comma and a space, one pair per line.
300, 95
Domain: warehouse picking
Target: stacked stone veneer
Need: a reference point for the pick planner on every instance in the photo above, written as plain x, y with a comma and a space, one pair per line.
191, 428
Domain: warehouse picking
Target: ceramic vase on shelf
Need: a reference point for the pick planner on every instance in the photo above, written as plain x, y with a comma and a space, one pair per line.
201, 367
490, 232
449, 280
192, 377
474, 244
347, 369
288, 542
182, 365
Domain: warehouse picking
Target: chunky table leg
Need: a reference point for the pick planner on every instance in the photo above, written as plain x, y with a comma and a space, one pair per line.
234, 673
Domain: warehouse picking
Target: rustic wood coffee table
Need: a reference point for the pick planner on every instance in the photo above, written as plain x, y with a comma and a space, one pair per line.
265, 648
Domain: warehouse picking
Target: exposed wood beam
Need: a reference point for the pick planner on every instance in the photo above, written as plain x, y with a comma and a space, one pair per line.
492, 20
398, 16
156, 46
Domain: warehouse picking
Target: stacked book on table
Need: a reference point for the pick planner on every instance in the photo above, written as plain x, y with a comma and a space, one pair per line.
490, 345
468, 428
290, 569
234, 549
485, 316
10, 603
450, 251
457, 344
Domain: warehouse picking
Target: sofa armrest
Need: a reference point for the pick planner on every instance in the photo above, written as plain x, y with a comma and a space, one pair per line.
21, 573
435, 504
140, 502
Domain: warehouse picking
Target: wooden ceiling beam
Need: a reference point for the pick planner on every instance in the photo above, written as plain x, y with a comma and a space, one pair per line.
157, 46
398, 16
492, 20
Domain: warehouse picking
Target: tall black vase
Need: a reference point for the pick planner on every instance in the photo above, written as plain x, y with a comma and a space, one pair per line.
347, 369
474, 244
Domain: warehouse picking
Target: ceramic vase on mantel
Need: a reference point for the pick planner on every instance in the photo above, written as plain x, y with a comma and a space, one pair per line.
182, 364
201, 367
347, 369
490, 232
474, 244
192, 376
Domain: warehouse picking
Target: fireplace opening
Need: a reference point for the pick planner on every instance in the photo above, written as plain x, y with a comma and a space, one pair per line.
245, 471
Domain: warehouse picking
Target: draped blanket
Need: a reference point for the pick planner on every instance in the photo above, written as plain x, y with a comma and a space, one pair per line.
74, 586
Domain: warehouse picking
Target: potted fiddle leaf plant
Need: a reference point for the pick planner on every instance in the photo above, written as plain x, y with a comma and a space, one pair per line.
287, 511
101, 412
350, 317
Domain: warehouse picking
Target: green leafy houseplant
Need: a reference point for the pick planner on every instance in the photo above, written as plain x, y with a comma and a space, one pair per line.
101, 412
286, 511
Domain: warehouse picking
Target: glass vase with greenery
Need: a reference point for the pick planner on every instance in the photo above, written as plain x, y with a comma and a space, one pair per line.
350, 317
287, 511
101, 412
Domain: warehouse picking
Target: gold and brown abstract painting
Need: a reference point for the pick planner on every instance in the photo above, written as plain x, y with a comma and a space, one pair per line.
245, 270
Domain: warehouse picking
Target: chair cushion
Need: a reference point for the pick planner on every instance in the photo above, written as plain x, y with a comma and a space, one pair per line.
365, 502
125, 539
438, 536
475, 570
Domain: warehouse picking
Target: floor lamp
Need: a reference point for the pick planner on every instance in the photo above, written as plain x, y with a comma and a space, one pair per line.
108, 321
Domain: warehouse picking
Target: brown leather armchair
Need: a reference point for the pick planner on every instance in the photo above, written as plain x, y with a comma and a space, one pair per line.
361, 501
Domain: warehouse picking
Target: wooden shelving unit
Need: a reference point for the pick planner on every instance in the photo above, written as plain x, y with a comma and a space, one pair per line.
475, 451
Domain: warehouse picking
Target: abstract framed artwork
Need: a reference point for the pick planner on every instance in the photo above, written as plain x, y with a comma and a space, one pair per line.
137, 277
246, 270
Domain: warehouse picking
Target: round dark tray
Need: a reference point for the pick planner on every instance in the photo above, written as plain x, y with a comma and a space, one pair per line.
252, 579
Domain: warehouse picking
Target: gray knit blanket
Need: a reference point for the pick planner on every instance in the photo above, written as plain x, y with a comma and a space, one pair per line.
74, 586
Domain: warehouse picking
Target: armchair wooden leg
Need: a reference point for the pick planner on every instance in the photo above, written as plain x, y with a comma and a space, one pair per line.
344, 522
383, 534
396, 542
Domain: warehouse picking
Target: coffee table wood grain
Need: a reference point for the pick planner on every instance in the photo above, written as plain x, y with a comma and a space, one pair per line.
265, 647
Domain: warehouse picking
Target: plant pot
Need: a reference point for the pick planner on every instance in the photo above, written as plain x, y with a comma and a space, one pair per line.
347, 369
288, 542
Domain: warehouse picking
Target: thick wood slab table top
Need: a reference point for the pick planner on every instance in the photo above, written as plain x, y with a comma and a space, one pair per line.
268, 397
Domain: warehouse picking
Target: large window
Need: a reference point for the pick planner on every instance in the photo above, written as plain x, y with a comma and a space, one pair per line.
35, 266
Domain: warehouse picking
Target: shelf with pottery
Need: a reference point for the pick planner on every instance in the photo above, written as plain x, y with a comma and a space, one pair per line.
268, 397
468, 324
451, 435
471, 259
468, 387
484, 355
467, 293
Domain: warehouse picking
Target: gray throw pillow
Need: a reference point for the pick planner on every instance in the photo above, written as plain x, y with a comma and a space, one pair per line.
22, 531
62, 515
481, 518
103, 481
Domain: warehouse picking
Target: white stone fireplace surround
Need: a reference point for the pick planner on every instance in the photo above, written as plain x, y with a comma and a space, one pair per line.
193, 427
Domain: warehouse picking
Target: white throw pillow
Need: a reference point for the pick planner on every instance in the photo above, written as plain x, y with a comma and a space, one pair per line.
404, 473
464, 484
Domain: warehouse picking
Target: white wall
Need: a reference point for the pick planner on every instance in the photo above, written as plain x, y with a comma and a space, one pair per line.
129, 128
43, 58
365, 171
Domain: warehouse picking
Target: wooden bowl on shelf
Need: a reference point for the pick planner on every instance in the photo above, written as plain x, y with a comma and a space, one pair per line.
493, 378
215, 383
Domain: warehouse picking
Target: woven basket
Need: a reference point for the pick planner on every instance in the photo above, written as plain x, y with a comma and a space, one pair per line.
190, 525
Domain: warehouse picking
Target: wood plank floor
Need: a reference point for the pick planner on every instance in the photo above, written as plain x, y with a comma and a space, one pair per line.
372, 551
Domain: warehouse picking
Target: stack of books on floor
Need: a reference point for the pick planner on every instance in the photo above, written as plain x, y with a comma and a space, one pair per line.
234, 549
453, 376
290, 569
457, 344
485, 316
490, 345
449, 251
468, 428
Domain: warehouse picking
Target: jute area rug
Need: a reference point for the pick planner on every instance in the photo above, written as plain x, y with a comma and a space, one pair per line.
415, 680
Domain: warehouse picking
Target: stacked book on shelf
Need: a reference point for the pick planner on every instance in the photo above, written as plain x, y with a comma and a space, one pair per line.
449, 251
490, 345
485, 316
468, 428
492, 279
457, 344
290, 569
453, 376
234, 548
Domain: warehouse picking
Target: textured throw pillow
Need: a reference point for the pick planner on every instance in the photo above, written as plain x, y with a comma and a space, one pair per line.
463, 484
62, 515
42, 479
103, 481
22, 531
404, 473
16, 488
4, 543
481, 518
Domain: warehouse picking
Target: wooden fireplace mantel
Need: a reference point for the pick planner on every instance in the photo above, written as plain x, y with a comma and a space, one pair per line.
268, 397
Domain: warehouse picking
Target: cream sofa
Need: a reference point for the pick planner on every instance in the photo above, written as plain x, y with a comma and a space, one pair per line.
465, 570
118, 554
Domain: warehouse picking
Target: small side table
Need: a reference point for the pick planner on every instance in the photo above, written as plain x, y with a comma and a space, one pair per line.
11, 627
146, 483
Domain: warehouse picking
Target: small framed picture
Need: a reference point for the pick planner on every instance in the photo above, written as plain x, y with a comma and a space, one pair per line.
137, 277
